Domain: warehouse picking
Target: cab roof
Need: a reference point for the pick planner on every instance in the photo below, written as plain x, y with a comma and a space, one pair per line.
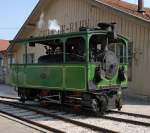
61, 35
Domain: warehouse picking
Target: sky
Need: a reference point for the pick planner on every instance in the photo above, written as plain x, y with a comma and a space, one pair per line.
13, 14
146, 2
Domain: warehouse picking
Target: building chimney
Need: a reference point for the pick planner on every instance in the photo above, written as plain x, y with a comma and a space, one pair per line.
141, 6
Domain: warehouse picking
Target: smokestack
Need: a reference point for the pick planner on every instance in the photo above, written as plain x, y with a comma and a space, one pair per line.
141, 6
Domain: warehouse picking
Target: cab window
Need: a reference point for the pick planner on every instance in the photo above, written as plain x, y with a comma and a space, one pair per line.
75, 50
53, 52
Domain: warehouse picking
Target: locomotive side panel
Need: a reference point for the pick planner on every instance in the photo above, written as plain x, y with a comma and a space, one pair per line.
38, 76
52, 77
75, 77
44, 76
20, 75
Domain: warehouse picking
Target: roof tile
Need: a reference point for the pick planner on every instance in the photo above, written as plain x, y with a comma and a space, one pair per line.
128, 7
4, 45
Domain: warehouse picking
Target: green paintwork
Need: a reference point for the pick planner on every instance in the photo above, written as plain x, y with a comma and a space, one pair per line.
57, 77
105, 82
68, 77
75, 77
13, 77
46, 76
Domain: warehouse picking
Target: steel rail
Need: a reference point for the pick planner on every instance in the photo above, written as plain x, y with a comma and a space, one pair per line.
78, 123
17, 98
130, 114
12, 98
126, 120
33, 123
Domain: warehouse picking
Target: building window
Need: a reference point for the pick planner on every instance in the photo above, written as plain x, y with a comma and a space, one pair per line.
30, 58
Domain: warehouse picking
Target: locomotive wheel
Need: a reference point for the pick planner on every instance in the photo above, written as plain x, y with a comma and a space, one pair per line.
103, 103
23, 98
99, 104
21, 94
95, 105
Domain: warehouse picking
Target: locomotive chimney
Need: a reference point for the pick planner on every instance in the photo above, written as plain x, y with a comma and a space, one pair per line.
141, 6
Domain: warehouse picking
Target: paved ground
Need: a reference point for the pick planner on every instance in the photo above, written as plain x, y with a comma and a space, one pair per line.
9, 126
6, 90
137, 104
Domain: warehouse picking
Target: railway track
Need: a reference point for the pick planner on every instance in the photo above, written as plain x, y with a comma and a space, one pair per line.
114, 116
130, 114
126, 120
43, 119
125, 117
10, 98
11, 111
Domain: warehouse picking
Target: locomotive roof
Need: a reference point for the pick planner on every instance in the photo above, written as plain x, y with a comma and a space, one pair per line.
61, 35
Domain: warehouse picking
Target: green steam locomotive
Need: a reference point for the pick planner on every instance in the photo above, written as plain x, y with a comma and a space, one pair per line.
86, 68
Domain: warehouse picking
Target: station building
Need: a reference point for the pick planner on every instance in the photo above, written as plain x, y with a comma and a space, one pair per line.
133, 22
4, 61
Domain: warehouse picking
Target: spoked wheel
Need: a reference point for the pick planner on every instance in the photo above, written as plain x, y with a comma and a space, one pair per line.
22, 99
95, 105
99, 104
22, 95
103, 103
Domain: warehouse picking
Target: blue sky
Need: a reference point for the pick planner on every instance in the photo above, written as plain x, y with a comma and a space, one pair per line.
13, 14
146, 2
